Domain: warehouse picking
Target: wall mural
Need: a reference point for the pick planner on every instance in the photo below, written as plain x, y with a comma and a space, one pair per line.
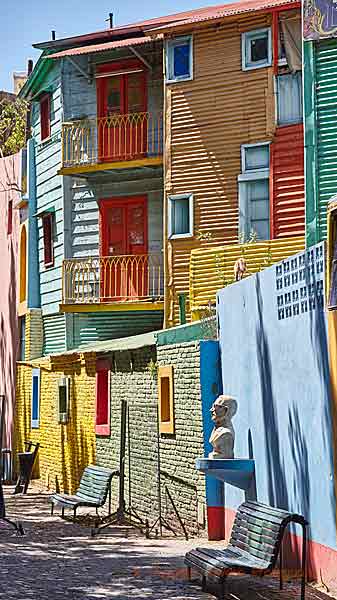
320, 19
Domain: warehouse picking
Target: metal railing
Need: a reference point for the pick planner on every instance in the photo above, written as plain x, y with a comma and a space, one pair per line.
127, 278
113, 138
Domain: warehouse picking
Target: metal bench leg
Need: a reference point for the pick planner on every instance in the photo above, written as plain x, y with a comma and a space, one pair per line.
204, 583
52, 508
189, 571
304, 562
281, 565
75, 512
223, 589
62, 512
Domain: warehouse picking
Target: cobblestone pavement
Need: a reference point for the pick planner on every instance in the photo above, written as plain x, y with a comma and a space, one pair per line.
58, 559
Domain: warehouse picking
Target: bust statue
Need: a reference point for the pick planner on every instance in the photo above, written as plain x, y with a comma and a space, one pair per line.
222, 436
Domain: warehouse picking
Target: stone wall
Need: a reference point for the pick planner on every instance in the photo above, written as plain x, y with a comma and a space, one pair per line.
131, 381
65, 448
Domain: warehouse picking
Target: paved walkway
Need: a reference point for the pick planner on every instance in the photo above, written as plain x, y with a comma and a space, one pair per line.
57, 559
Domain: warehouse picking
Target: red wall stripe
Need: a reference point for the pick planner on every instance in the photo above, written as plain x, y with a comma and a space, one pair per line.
288, 196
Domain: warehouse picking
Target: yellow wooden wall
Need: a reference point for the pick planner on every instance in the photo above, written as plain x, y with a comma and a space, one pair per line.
213, 268
207, 120
65, 448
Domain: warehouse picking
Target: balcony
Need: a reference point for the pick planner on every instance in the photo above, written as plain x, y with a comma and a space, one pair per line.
116, 141
128, 282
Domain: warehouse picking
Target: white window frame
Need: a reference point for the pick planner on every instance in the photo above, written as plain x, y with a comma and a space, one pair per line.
248, 35
171, 199
35, 423
169, 66
246, 177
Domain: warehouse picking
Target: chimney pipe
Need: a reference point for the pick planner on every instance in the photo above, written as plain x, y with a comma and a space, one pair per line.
111, 20
29, 66
53, 35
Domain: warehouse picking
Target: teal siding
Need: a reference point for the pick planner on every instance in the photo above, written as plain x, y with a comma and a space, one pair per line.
54, 334
89, 328
49, 191
326, 101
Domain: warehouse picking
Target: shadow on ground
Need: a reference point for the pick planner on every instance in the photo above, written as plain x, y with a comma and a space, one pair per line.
59, 559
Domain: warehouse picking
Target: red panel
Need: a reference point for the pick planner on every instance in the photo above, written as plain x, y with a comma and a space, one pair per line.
287, 182
47, 225
215, 522
102, 400
45, 116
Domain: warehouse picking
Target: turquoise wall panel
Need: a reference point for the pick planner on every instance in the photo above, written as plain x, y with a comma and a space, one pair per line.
89, 328
326, 102
54, 332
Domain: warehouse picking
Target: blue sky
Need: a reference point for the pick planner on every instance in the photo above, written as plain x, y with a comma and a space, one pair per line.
23, 22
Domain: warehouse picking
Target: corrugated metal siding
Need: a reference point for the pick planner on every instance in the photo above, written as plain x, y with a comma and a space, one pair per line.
54, 334
288, 182
207, 121
213, 269
326, 97
89, 328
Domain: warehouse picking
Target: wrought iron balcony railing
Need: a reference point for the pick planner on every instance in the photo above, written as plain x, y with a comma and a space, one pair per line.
127, 278
115, 138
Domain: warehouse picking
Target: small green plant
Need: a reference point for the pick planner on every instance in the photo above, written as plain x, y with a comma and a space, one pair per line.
203, 235
152, 368
13, 117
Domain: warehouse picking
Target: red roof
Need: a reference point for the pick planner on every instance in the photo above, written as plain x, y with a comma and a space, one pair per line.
168, 21
226, 10
102, 47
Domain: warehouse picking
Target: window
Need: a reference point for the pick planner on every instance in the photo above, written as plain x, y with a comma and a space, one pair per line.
179, 59
254, 191
63, 399
289, 98
36, 399
256, 49
10, 217
180, 216
103, 398
45, 116
48, 238
165, 400
22, 340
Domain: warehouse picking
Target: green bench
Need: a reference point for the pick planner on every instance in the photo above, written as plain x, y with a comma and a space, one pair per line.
95, 486
254, 546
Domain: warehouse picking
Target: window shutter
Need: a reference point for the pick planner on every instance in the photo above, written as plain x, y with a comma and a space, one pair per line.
47, 224
102, 401
45, 116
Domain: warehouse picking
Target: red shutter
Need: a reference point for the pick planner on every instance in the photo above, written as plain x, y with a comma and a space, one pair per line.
45, 116
102, 401
47, 224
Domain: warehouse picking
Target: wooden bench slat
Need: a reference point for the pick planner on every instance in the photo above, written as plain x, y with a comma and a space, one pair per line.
92, 491
256, 524
245, 510
271, 510
254, 542
267, 537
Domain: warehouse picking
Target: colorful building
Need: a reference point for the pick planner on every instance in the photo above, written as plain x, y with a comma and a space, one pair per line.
10, 183
234, 136
96, 164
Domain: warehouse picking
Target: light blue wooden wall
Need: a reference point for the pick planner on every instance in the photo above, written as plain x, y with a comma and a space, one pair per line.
49, 190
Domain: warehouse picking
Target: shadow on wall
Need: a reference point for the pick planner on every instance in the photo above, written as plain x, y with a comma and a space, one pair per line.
279, 490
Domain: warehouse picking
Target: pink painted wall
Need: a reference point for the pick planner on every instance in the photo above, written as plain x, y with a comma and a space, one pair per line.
9, 174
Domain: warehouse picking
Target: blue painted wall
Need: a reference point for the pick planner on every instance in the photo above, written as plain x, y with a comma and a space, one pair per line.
274, 359
49, 190
33, 299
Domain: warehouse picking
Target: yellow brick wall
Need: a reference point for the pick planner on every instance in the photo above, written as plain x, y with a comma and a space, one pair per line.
65, 448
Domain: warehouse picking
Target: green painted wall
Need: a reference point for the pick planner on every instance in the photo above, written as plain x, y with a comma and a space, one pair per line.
320, 107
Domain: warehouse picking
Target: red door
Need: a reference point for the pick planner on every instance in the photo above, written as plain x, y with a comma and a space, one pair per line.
124, 268
122, 119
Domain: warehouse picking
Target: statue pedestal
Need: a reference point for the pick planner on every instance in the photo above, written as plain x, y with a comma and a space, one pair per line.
239, 472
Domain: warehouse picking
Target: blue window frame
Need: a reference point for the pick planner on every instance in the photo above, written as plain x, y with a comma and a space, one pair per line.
179, 59
36, 399
256, 49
